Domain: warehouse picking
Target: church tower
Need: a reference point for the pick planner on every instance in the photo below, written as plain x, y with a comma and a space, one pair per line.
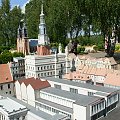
22, 40
43, 40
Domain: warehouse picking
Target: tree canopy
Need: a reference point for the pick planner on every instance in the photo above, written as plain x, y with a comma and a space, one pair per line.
64, 18
9, 22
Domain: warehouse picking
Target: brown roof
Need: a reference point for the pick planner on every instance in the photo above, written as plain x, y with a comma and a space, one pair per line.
35, 83
101, 72
112, 79
5, 74
76, 76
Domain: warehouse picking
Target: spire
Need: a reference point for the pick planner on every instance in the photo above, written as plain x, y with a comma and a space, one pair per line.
42, 9
42, 36
19, 31
24, 30
42, 19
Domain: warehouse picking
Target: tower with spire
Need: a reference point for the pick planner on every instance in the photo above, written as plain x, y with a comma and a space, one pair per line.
43, 40
22, 40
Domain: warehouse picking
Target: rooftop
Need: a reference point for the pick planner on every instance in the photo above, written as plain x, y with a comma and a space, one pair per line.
78, 84
79, 99
35, 83
39, 113
5, 74
43, 56
112, 79
9, 105
33, 42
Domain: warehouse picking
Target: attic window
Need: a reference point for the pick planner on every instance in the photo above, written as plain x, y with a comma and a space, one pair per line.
6, 78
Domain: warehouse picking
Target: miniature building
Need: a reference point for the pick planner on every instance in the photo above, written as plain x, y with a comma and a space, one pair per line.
6, 80
40, 45
17, 67
22, 40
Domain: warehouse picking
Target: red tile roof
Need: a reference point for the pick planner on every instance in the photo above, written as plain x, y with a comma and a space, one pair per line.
112, 79
37, 84
5, 74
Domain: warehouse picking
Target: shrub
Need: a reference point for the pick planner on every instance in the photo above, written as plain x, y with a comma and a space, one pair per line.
80, 49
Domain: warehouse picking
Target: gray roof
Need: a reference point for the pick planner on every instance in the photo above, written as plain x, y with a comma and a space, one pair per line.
83, 85
39, 113
57, 106
33, 42
5, 103
79, 99
101, 94
45, 56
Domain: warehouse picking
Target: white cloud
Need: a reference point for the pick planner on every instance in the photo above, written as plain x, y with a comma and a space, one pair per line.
23, 7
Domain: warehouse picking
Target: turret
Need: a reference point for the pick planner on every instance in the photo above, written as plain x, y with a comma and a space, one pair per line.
42, 36
24, 31
19, 34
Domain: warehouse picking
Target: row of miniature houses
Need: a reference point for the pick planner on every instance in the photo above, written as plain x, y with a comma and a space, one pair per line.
87, 60
97, 76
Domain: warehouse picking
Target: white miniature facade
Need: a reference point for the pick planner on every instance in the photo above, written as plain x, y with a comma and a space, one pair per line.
25, 93
44, 66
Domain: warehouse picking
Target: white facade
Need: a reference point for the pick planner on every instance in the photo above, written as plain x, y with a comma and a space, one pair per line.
43, 66
77, 108
25, 93
66, 97
87, 89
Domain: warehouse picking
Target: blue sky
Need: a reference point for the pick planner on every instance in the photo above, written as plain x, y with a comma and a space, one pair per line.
18, 2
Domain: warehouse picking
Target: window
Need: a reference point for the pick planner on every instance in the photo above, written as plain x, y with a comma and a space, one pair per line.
38, 68
9, 92
74, 90
1, 87
44, 74
90, 93
53, 66
41, 68
48, 73
41, 74
44, 31
57, 86
44, 67
8, 86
